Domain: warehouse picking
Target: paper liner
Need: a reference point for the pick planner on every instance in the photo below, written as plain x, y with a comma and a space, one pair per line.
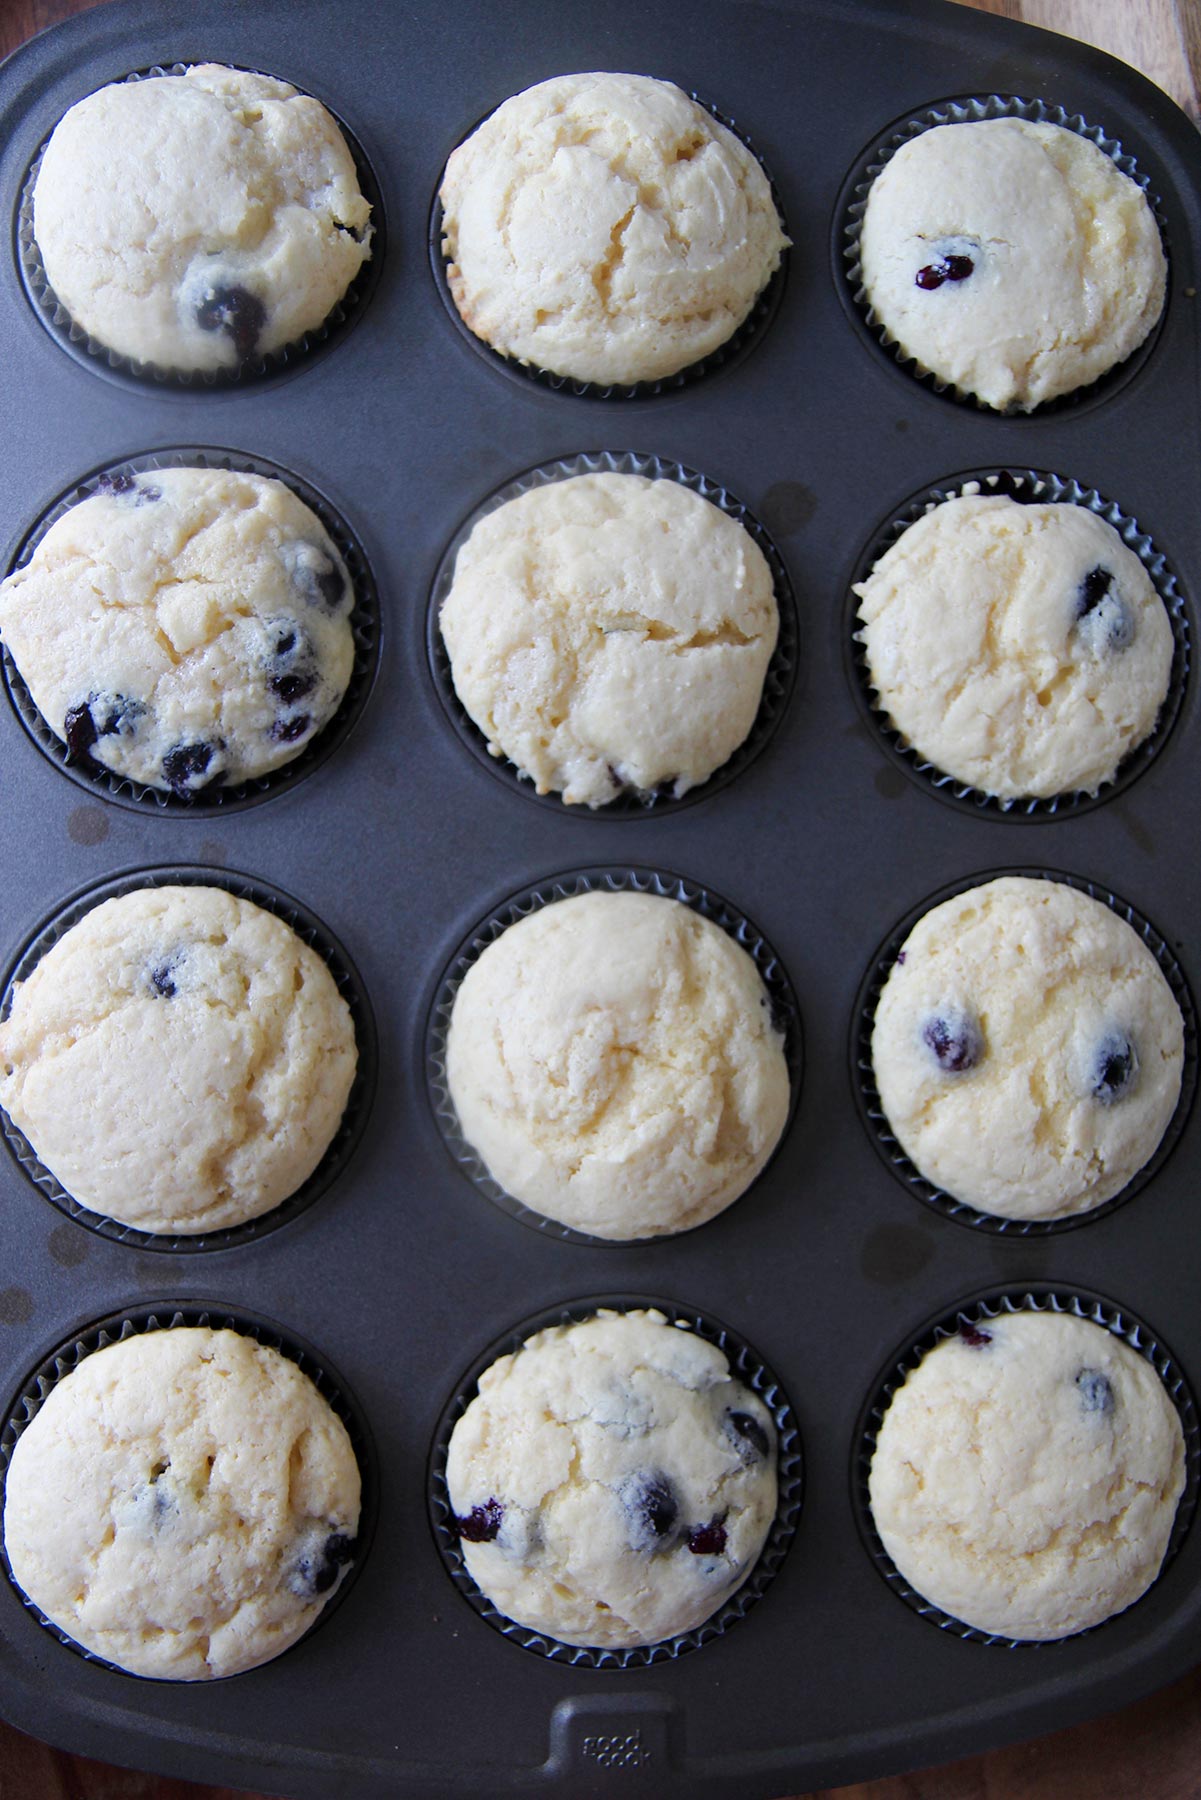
867, 1094
166, 1315
848, 224
784, 1009
1022, 485
365, 625
747, 1366
778, 681
349, 983
736, 347
89, 351
978, 1310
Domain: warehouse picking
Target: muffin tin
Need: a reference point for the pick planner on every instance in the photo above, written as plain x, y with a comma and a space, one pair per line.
402, 1273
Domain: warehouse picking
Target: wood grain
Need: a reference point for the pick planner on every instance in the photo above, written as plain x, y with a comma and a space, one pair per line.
1162, 38
1150, 1751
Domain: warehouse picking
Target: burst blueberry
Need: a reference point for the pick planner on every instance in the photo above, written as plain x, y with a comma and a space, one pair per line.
1115, 1067
1103, 619
1096, 1391
237, 312
710, 1539
650, 1499
482, 1523
315, 1572
286, 731
184, 767
747, 1433
954, 1040
162, 979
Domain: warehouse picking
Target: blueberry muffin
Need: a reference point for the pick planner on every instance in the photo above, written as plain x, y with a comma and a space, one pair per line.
613, 1060
606, 228
1019, 647
183, 1504
197, 221
179, 1059
1014, 261
610, 633
1026, 1475
184, 628
612, 1484
1027, 1049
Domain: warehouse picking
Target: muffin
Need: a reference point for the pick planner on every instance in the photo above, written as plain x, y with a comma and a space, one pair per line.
179, 1059
197, 221
1013, 261
183, 628
611, 1483
613, 1061
1027, 1049
1019, 647
1026, 1475
606, 228
610, 633
183, 1504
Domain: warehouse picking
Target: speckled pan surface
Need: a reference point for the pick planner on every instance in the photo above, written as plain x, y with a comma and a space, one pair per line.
402, 1274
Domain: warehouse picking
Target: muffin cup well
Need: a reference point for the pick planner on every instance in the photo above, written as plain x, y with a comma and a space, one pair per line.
848, 226
978, 1310
1023, 485
867, 1094
778, 681
365, 624
349, 984
137, 1320
785, 1012
747, 1366
736, 347
91, 353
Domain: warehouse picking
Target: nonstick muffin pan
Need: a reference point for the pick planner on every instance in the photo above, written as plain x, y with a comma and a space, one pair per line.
402, 1273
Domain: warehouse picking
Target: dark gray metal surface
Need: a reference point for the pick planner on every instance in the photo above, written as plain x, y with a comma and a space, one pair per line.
402, 1273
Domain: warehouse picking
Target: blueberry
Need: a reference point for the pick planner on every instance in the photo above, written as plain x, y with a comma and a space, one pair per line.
1093, 589
162, 977
313, 573
972, 1335
1103, 618
953, 1039
650, 1500
286, 731
121, 482
116, 481
79, 729
316, 1569
292, 687
153, 1499
710, 1539
748, 1434
100, 715
184, 767
1096, 1391
235, 311
947, 268
482, 1523
1114, 1068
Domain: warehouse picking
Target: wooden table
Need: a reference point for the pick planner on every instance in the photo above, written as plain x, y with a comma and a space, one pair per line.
1151, 1751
